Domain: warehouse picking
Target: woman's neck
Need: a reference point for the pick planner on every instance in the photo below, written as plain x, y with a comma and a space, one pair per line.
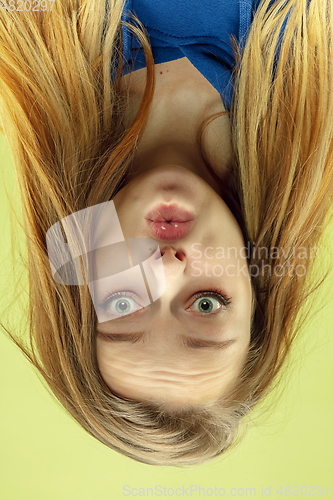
183, 98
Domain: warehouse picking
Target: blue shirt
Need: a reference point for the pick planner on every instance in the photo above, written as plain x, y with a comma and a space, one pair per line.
198, 30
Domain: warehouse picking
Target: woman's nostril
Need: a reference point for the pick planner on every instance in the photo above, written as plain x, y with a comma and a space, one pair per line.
180, 255
172, 251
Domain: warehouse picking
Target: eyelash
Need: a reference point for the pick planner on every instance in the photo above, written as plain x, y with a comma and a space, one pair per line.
217, 294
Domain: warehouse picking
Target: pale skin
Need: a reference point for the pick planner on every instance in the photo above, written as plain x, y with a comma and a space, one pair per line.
174, 362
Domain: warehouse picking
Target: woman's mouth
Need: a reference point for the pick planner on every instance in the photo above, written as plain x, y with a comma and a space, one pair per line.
169, 222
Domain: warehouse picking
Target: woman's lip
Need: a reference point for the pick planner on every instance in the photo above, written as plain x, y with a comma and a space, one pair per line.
169, 213
169, 231
169, 222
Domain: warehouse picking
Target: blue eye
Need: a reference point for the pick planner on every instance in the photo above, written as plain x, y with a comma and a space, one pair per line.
120, 303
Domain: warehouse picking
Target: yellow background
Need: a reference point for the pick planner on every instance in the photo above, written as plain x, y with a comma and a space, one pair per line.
45, 455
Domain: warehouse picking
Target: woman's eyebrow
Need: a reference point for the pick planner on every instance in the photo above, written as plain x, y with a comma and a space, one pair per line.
202, 343
191, 342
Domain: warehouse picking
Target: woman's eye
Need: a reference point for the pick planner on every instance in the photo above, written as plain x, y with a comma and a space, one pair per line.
206, 305
210, 301
123, 303
120, 304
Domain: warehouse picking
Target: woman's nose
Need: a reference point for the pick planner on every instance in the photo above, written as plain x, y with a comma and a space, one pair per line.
174, 261
171, 254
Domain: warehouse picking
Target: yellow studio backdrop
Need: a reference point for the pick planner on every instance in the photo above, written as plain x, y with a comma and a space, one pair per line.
45, 455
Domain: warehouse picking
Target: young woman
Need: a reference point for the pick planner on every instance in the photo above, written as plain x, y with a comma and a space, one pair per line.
232, 124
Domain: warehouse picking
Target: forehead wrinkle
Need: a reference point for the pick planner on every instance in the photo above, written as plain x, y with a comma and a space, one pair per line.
180, 388
171, 376
141, 368
157, 383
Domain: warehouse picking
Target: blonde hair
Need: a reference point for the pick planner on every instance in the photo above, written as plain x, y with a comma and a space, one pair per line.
63, 119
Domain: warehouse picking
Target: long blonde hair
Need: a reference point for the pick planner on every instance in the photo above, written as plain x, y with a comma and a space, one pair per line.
63, 119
